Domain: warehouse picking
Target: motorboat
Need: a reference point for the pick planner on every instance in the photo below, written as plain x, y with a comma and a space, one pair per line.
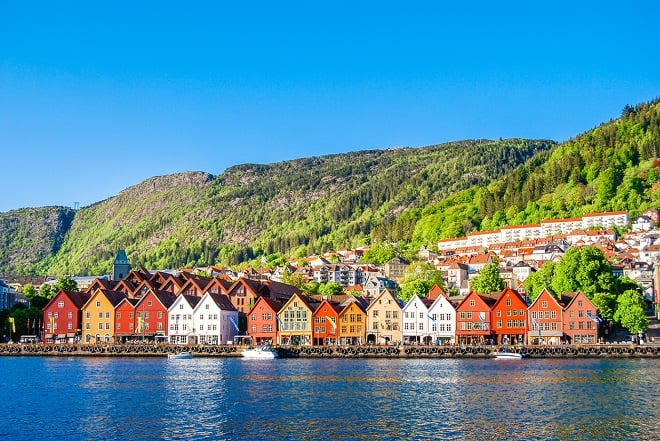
264, 352
506, 354
180, 355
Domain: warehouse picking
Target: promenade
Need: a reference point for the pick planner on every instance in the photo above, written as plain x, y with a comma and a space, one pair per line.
622, 350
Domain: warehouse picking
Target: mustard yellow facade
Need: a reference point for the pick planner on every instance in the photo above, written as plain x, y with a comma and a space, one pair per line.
352, 324
295, 322
98, 320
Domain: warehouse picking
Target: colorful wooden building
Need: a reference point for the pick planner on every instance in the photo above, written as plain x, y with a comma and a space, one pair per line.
545, 323
473, 321
509, 318
63, 317
384, 315
262, 320
326, 318
580, 319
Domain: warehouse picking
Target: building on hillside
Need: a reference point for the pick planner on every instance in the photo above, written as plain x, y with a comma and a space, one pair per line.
9, 297
415, 321
395, 268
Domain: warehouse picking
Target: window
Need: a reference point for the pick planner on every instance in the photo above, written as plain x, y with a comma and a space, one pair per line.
395, 314
69, 315
160, 314
118, 315
508, 302
100, 315
473, 302
375, 313
98, 304
150, 303
60, 304
107, 315
544, 304
499, 323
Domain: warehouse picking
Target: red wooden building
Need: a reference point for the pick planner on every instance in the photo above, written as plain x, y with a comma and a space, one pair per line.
63, 317
508, 315
580, 319
125, 320
544, 323
262, 320
151, 315
326, 318
473, 319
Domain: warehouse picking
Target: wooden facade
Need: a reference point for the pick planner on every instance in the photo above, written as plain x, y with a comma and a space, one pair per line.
63, 317
508, 317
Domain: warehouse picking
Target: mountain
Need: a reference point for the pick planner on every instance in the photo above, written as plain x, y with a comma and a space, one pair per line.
612, 167
412, 196
297, 207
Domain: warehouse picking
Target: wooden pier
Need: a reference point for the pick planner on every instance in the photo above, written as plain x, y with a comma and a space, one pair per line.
363, 351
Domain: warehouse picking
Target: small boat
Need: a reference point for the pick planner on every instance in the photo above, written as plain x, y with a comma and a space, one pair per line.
506, 354
180, 355
265, 351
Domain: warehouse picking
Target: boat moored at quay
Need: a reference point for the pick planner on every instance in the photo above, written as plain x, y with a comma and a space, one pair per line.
365, 351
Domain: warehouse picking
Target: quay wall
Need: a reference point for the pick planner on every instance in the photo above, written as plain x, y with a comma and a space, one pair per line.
366, 351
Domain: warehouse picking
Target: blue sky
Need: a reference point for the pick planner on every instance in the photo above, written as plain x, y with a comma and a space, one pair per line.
96, 96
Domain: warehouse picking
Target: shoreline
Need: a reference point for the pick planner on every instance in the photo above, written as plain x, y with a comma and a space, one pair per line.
365, 351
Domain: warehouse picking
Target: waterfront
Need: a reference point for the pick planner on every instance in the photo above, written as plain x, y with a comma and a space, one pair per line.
71, 398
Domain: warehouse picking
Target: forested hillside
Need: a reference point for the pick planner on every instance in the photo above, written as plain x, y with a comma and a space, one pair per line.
29, 235
612, 167
410, 196
296, 207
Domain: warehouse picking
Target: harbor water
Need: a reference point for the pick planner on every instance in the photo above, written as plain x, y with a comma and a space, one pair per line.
78, 398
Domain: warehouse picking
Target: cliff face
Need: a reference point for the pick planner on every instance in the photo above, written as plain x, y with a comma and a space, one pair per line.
30, 235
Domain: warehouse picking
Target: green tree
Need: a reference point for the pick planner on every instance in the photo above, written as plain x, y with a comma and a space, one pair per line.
631, 312
540, 279
330, 289
415, 286
312, 287
583, 269
65, 283
606, 304
378, 254
47, 291
295, 279
489, 280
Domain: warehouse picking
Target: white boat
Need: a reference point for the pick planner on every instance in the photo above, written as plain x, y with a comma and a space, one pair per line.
265, 351
507, 355
180, 355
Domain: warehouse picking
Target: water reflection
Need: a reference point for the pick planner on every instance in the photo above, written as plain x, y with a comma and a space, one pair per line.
328, 399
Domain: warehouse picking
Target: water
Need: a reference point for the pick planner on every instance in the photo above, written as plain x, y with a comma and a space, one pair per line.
329, 399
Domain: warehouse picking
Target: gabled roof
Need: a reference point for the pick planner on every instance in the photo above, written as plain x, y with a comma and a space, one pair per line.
222, 301
273, 304
114, 297
77, 298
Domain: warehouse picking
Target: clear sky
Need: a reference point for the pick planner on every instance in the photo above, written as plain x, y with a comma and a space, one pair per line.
96, 96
